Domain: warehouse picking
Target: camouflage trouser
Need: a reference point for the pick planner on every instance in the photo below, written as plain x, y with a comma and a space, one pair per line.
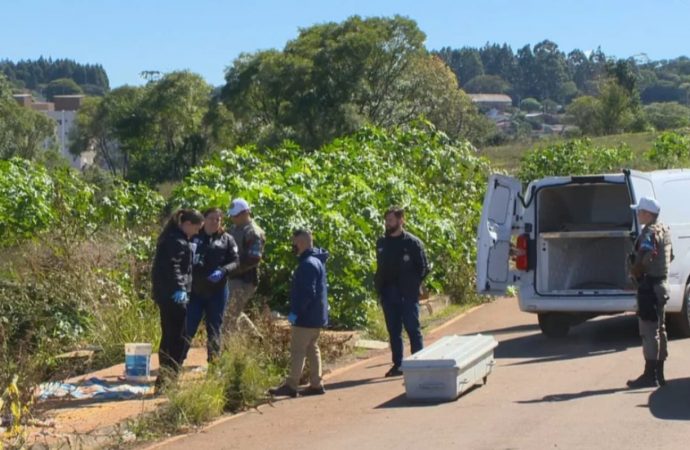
240, 294
653, 332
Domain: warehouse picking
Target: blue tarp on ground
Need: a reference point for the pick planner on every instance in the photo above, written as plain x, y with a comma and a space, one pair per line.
93, 388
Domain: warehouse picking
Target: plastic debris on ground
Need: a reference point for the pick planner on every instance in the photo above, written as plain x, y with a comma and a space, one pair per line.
93, 388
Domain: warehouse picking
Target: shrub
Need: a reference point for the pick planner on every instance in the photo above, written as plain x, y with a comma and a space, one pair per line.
341, 192
530, 105
667, 115
34, 200
575, 157
670, 150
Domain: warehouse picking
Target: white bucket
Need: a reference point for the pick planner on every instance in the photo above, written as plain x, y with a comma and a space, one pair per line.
137, 362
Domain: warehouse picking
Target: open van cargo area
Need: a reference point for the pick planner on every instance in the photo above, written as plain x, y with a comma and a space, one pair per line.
583, 239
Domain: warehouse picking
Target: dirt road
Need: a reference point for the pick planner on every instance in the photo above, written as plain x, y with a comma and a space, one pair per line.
542, 394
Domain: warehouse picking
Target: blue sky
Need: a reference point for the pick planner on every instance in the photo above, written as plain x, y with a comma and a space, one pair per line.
128, 36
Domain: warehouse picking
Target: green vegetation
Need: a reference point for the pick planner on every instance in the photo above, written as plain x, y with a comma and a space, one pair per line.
36, 75
22, 131
345, 120
670, 150
507, 157
341, 192
336, 77
238, 381
576, 157
71, 272
641, 151
151, 134
545, 72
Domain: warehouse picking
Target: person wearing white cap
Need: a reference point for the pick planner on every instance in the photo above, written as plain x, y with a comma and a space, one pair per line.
649, 268
250, 239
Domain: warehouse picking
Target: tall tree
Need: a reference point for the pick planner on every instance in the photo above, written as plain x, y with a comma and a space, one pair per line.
499, 60
23, 132
466, 63
329, 81
153, 133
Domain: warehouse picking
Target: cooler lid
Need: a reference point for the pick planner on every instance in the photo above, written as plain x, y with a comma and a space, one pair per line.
451, 351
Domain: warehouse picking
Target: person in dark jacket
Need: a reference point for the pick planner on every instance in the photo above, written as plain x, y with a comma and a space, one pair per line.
401, 267
216, 256
308, 314
172, 281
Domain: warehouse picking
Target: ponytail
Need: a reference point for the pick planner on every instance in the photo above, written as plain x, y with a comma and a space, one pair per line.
179, 217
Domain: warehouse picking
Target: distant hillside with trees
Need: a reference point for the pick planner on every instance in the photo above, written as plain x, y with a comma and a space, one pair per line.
57, 76
545, 72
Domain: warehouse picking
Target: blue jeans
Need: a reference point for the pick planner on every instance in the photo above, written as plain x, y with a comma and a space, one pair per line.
401, 311
212, 309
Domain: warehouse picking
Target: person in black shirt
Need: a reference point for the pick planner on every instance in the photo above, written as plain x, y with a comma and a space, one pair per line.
215, 257
401, 267
172, 281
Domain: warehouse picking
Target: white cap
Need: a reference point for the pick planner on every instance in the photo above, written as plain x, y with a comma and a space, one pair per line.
238, 206
647, 204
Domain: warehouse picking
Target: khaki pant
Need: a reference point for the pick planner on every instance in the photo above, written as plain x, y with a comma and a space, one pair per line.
240, 294
304, 342
654, 339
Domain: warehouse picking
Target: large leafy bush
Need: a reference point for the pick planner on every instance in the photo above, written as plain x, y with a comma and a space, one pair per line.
341, 193
575, 157
670, 150
34, 200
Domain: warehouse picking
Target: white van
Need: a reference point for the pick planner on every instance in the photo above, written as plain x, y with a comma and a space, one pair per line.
565, 244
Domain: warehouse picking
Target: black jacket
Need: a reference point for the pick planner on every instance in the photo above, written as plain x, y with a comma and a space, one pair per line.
401, 261
172, 265
218, 251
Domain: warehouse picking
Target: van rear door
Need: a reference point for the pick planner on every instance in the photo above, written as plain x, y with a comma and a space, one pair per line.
501, 214
640, 185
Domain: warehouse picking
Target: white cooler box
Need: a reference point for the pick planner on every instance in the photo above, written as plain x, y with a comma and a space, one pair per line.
448, 367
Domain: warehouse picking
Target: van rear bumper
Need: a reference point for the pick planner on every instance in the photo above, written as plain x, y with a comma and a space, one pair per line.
578, 304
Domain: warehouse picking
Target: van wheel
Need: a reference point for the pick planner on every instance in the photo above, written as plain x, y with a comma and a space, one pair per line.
554, 325
679, 323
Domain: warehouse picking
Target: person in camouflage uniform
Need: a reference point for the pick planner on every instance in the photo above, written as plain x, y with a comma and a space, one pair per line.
243, 281
650, 264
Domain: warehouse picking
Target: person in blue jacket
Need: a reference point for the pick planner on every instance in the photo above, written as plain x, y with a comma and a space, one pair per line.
308, 314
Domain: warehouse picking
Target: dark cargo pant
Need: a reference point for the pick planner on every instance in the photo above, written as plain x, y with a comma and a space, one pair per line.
653, 332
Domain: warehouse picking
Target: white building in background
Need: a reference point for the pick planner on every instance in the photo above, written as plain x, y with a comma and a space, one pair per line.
63, 109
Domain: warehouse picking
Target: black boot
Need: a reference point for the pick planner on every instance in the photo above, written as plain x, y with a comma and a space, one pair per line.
660, 373
648, 377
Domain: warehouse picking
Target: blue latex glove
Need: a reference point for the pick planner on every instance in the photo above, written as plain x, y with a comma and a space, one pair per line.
216, 276
180, 297
292, 318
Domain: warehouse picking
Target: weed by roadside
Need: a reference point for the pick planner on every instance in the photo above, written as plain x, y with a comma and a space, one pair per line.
237, 381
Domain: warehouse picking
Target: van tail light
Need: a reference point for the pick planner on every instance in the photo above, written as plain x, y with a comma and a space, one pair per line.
521, 253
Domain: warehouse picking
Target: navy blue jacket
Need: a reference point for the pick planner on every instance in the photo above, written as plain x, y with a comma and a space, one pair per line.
309, 295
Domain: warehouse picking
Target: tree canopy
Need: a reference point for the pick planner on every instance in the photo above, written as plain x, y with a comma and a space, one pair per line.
336, 77
35, 75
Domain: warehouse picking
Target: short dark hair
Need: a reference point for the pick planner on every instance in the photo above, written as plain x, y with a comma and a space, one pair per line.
395, 210
300, 232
